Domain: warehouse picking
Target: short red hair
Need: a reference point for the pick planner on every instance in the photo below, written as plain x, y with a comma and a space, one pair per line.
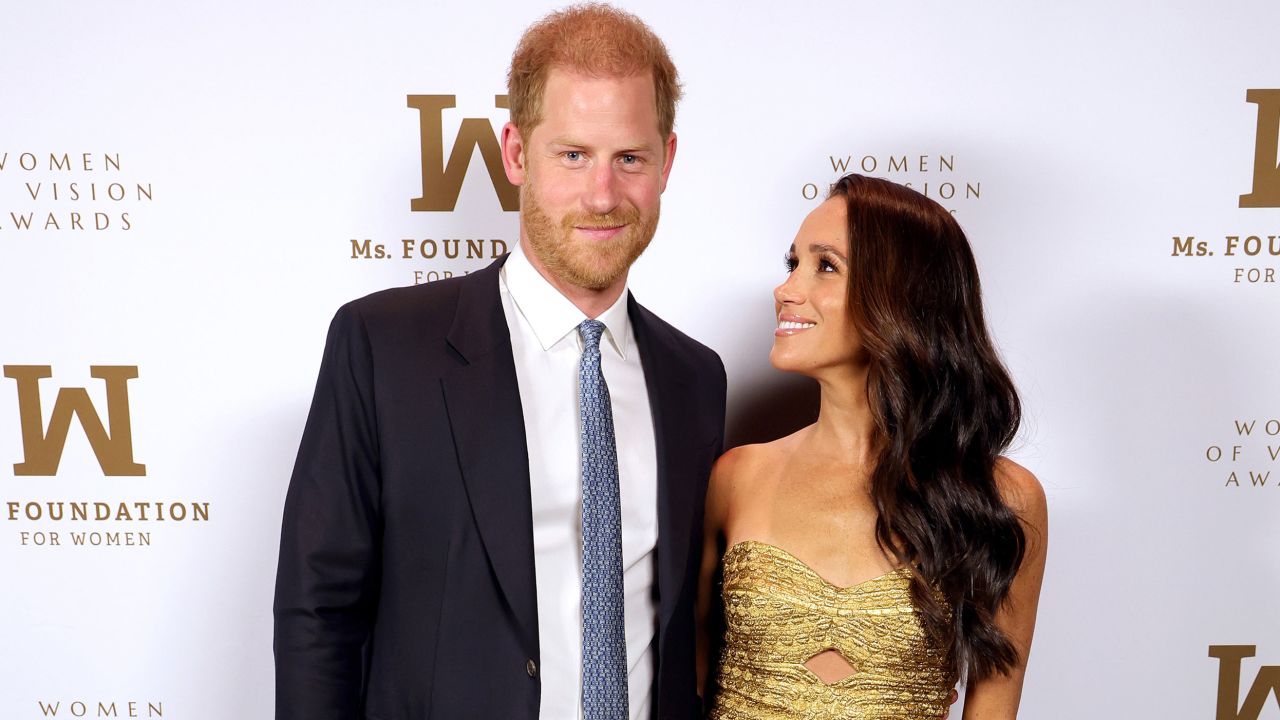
593, 39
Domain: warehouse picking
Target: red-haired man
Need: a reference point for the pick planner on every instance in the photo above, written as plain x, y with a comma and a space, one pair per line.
497, 501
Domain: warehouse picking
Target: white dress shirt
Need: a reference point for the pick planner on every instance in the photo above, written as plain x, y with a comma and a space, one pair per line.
547, 350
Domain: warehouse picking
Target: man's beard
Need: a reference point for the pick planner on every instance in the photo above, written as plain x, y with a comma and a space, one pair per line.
590, 264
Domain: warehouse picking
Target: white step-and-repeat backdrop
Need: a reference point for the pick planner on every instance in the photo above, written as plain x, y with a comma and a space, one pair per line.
189, 190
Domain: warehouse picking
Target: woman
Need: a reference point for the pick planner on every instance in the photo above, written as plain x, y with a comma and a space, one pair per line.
874, 557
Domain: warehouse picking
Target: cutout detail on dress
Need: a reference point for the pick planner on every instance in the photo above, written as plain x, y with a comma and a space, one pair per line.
830, 666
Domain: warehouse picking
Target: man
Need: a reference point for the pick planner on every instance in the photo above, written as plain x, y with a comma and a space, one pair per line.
497, 497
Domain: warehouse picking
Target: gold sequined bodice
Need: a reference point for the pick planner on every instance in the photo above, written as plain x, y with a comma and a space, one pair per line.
779, 613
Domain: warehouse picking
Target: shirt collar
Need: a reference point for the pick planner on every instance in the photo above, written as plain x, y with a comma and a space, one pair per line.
551, 315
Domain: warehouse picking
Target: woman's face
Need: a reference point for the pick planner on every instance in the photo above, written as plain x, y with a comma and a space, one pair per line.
815, 330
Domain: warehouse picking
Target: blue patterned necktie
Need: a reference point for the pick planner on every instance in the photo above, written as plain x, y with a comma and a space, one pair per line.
604, 644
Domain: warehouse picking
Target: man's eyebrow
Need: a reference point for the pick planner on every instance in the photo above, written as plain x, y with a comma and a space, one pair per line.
640, 147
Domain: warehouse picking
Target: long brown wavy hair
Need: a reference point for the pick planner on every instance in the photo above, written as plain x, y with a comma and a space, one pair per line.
945, 409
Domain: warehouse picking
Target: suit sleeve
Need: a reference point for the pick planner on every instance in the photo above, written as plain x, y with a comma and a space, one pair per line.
719, 400
327, 578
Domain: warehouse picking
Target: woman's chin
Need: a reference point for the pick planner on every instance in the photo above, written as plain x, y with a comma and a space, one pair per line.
787, 362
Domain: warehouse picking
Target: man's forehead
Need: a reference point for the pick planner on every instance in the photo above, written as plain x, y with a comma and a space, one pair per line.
570, 96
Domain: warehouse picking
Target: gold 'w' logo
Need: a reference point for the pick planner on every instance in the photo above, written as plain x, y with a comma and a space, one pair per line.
42, 449
1266, 165
1266, 684
441, 182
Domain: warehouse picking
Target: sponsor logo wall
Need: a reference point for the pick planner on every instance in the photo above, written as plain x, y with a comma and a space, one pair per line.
188, 194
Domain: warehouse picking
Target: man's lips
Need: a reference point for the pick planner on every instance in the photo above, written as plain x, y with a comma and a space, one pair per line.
595, 232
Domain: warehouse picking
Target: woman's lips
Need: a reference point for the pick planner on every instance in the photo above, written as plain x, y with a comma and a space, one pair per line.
792, 325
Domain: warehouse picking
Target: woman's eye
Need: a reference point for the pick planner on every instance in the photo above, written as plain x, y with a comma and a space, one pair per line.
790, 262
825, 266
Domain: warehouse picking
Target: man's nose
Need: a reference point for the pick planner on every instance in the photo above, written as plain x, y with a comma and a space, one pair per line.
602, 193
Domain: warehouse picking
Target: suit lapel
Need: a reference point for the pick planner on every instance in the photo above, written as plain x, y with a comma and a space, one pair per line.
483, 401
482, 397
667, 376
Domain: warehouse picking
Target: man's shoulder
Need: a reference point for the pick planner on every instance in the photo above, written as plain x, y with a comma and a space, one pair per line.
427, 307
413, 300
697, 353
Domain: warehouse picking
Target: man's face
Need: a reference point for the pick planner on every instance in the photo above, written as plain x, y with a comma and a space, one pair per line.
591, 175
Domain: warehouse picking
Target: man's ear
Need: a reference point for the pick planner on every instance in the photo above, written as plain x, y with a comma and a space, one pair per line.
669, 158
513, 154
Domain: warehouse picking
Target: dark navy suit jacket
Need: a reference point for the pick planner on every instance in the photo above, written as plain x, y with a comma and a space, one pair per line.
405, 587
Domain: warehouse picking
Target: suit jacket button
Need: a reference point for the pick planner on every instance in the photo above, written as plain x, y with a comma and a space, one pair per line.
531, 667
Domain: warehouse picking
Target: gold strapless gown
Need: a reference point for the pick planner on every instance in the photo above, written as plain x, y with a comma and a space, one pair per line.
779, 613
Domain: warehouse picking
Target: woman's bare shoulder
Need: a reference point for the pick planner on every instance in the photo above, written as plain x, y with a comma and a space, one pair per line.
734, 467
1022, 492
743, 462
739, 468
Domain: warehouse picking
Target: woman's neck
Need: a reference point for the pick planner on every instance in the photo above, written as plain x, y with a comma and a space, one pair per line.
846, 425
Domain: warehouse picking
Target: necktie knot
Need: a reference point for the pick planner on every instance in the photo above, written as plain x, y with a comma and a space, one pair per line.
591, 331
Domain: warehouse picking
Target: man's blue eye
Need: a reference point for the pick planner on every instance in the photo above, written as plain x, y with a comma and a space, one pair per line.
573, 156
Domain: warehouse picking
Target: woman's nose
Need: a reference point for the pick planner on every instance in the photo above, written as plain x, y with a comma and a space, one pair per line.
787, 293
